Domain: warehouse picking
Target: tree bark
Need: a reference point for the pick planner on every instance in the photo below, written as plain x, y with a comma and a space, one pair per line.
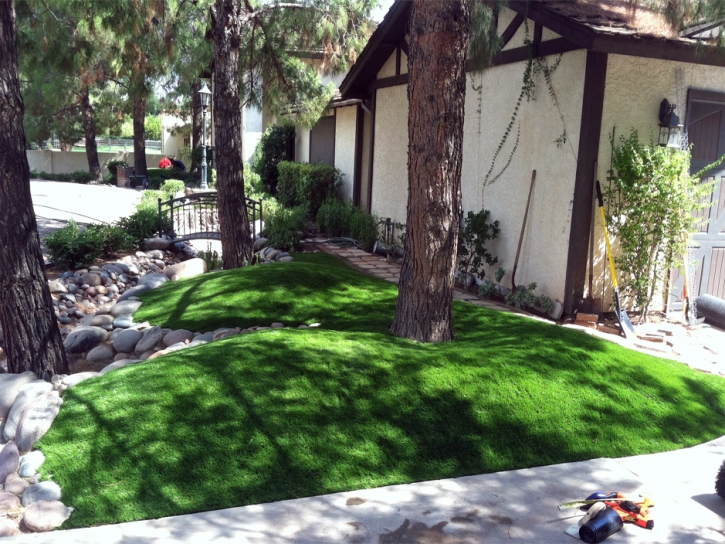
436, 95
139, 135
196, 124
89, 130
234, 223
32, 337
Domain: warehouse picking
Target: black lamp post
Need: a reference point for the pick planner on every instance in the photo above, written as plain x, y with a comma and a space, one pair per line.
670, 127
205, 95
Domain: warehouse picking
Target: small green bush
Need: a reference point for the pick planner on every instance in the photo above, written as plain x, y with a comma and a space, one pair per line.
472, 251
338, 219
144, 223
211, 258
72, 248
171, 187
113, 238
308, 185
79, 176
271, 150
285, 229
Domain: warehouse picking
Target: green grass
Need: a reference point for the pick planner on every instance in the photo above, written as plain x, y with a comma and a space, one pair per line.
289, 413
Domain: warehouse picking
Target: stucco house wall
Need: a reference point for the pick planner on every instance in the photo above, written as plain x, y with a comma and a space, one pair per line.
302, 145
544, 249
390, 155
345, 131
67, 162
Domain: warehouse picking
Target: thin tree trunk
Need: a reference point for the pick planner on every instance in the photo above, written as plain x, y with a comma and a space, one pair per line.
196, 123
234, 223
139, 135
436, 95
89, 129
32, 337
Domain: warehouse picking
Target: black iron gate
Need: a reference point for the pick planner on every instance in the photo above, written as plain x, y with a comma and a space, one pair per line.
196, 216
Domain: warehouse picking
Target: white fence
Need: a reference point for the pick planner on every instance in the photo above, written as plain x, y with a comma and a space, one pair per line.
109, 143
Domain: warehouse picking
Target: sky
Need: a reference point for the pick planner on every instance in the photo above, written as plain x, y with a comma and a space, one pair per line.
379, 13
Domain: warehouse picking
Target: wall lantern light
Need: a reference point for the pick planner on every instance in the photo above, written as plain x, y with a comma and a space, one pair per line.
670, 127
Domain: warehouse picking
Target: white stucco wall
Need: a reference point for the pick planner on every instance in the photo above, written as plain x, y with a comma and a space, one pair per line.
345, 129
302, 145
388, 69
390, 160
634, 89
544, 250
67, 162
545, 244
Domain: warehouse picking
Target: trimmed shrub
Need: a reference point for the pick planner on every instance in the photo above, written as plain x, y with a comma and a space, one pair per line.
144, 223
79, 176
338, 219
113, 238
271, 150
308, 185
285, 228
72, 248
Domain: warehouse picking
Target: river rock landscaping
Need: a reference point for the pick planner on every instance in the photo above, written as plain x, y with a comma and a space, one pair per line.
95, 308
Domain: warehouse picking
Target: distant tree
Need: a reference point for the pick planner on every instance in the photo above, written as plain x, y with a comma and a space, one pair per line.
257, 60
32, 337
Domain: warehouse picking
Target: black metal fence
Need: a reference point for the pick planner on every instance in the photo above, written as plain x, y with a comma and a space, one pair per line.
196, 216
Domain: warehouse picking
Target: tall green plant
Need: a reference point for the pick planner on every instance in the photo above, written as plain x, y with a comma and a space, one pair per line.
472, 251
652, 200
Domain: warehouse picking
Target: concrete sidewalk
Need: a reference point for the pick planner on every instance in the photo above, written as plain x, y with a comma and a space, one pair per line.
514, 506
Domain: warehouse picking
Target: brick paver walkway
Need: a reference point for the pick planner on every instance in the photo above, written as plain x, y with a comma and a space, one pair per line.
375, 265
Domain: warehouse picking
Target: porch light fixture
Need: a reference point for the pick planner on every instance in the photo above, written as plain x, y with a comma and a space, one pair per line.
205, 96
670, 127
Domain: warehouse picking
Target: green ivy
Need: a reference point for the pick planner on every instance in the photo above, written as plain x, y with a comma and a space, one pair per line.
472, 251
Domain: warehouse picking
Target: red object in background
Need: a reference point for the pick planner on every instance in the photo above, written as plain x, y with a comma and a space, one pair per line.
165, 163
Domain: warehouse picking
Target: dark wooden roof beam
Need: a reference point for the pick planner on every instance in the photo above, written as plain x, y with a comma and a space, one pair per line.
539, 13
514, 25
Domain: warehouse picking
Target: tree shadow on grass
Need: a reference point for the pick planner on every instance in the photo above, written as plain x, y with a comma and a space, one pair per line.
286, 414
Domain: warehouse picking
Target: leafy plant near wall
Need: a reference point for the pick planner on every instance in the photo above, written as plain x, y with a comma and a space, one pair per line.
524, 297
472, 251
652, 200
271, 150
534, 67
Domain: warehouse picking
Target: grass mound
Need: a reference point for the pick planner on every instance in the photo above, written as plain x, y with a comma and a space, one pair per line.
288, 413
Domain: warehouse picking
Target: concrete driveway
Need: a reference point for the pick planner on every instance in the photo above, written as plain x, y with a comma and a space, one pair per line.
57, 202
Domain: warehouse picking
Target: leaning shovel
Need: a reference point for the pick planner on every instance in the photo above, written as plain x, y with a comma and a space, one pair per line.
622, 317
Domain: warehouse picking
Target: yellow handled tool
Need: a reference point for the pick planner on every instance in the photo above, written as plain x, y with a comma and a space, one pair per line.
624, 322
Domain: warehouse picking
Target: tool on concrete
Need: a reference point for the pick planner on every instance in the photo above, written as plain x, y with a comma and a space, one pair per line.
521, 237
593, 511
635, 512
686, 308
624, 322
594, 498
712, 309
604, 524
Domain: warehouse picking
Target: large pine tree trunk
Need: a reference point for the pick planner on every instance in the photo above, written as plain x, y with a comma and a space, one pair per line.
436, 94
196, 123
32, 338
139, 135
234, 223
89, 130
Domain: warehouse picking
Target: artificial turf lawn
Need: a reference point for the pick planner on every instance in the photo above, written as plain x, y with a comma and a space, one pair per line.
289, 413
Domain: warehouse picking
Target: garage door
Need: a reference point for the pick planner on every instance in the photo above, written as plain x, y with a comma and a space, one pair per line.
706, 130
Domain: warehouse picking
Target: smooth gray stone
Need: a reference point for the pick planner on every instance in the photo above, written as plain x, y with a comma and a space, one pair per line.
155, 254
10, 386
115, 333
36, 420
126, 341
65, 320
153, 280
123, 322
286, 259
92, 278
72, 288
101, 320
8, 502
43, 491
119, 364
259, 244
43, 516
133, 270
9, 460
206, 337
100, 353
125, 308
57, 287
134, 291
156, 244
28, 393
15, 484
75, 379
30, 463
151, 338
84, 339
186, 269
175, 337
112, 268
8, 528
123, 267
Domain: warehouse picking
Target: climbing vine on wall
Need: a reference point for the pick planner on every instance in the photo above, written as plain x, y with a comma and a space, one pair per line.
534, 66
